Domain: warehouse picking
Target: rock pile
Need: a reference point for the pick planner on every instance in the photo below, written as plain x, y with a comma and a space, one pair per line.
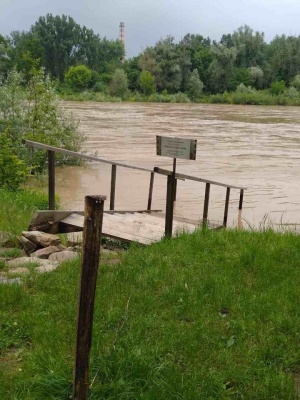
44, 251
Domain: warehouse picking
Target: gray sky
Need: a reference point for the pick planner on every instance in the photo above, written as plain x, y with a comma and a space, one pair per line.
150, 20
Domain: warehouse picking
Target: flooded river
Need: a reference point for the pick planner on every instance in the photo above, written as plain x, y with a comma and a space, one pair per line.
255, 147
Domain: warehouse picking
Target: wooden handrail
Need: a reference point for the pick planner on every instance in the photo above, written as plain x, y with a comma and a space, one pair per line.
194, 178
81, 155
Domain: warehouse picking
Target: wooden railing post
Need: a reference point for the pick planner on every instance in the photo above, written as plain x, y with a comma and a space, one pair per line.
206, 203
175, 190
94, 206
51, 179
226, 207
150, 191
241, 199
113, 186
169, 207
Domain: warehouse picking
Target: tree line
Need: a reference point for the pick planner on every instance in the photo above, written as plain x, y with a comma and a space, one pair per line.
80, 60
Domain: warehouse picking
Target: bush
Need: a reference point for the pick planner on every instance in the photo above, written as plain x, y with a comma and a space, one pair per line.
32, 112
13, 171
78, 77
277, 87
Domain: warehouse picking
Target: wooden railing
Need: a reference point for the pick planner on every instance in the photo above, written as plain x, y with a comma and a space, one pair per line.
208, 184
170, 197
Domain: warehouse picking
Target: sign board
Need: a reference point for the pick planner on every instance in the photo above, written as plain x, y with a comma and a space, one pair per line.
176, 147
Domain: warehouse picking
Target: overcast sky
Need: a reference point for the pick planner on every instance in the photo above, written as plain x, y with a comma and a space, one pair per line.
147, 21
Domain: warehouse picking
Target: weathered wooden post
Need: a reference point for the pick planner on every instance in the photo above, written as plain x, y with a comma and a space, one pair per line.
241, 199
206, 204
226, 206
92, 229
149, 205
51, 179
113, 186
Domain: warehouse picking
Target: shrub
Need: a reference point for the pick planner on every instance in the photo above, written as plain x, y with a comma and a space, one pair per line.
78, 77
277, 87
13, 171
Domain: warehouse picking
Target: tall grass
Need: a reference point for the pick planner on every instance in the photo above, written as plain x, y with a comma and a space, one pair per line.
17, 208
213, 315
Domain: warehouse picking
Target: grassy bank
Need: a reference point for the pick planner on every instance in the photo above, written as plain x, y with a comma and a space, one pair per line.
256, 97
214, 315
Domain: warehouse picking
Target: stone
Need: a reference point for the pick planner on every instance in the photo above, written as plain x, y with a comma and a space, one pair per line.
19, 270
27, 245
41, 238
45, 252
18, 262
74, 239
7, 239
61, 247
10, 281
46, 268
63, 256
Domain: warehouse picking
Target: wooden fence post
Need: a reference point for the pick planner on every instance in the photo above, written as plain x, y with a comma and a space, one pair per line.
169, 207
241, 199
206, 204
92, 229
113, 186
226, 207
150, 191
51, 179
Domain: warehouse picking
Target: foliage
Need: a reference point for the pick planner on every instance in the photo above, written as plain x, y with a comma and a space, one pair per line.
296, 82
13, 171
277, 87
78, 77
59, 42
221, 67
119, 84
32, 112
147, 83
195, 86
213, 315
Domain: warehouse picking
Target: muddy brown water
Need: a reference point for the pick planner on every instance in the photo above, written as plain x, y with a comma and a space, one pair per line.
256, 147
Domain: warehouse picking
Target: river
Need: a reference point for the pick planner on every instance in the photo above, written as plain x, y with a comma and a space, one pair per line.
252, 146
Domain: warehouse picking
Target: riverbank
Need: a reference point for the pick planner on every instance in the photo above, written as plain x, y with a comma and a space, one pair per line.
213, 315
251, 97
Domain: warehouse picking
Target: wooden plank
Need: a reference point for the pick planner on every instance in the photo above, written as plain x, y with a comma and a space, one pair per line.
114, 226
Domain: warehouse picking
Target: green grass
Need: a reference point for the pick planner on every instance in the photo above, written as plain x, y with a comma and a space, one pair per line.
214, 315
17, 208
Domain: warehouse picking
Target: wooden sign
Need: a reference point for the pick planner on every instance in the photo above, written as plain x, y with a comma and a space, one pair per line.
176, 147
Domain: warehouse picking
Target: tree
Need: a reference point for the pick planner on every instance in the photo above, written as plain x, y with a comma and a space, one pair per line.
256, 76
296, 82
78, 77
249, 46
195, 85
147, 83
32, 112
119, 84
221, 67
